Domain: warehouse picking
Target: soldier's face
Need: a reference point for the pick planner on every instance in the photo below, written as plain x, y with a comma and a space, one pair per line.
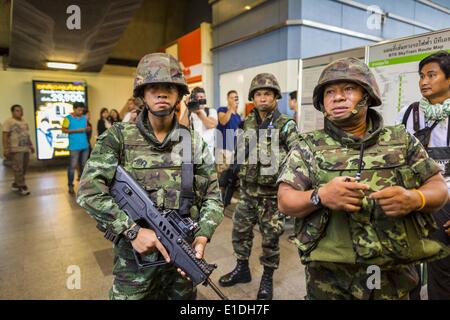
264, 100
340, 99
433, 83
161, 97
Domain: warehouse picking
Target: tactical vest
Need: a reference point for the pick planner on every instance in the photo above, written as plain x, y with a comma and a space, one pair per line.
368, 236
158, 171
265, 174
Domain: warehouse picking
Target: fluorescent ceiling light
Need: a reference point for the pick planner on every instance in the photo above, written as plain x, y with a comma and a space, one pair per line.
60, 65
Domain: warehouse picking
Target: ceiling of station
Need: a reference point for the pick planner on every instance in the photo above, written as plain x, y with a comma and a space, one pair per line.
33, 32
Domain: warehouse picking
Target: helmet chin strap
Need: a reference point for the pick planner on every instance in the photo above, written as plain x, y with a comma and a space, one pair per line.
361, 104
163, 113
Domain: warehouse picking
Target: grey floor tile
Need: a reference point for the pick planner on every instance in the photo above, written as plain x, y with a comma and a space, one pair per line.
41, 236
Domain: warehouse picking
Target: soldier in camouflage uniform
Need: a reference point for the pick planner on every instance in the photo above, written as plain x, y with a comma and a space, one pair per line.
146, 150
258, 201
362, 193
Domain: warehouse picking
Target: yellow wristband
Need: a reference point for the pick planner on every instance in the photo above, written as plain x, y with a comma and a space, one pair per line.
424, 202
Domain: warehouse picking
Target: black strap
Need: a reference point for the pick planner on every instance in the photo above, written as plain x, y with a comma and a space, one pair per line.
448, 131
187, 192
416, 119
414, 107
187, 179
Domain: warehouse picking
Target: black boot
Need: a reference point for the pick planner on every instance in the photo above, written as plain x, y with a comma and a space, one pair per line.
240, 274
265, 291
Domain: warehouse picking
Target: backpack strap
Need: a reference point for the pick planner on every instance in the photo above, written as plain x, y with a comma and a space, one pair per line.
415, 108
448, 131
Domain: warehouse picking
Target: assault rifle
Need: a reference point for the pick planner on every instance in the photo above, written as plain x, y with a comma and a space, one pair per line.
174, 232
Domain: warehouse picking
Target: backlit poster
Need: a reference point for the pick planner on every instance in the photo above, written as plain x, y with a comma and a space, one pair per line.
52, 102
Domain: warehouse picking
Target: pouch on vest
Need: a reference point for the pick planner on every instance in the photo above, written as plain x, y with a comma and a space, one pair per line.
373, 233
309, 230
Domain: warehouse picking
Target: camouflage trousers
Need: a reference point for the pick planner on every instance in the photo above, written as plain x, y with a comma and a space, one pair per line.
264, 211
153, 283
338, 281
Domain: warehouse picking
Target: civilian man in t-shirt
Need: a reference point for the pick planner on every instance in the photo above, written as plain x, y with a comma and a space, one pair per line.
17, 146
77, 127
229, 122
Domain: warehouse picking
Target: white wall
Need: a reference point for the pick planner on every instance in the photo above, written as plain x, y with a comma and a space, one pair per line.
110, 88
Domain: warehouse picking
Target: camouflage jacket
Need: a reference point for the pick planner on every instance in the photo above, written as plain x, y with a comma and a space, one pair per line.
156, 167
260, 170
392, 157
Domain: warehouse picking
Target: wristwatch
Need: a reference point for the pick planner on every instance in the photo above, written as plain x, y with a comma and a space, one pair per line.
132, 233
315, 199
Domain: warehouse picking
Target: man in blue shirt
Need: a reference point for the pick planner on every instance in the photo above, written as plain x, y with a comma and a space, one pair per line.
76, 126
229, 121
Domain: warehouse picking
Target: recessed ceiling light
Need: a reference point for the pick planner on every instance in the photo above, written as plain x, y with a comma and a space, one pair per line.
61, 65
247, 7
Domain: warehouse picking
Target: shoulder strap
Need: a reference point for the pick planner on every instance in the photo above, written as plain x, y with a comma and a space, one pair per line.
187, 180
434, 125
408, 112
416, 120
415, 108
448, 131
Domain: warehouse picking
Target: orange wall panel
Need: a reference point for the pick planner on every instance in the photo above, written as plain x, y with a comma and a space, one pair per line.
190, 49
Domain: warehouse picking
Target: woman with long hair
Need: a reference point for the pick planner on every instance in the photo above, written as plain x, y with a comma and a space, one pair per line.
103, 122
114, 116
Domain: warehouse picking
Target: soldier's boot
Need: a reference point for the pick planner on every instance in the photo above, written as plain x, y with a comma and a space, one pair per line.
240, 274
265, 291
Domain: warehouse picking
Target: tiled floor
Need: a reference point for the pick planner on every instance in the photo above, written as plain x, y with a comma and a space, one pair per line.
45, 234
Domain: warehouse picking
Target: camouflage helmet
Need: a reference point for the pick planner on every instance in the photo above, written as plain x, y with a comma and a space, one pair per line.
264, 81
159, 68
347, 69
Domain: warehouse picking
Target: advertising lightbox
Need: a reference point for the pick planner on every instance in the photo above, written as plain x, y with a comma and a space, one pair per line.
53, 101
